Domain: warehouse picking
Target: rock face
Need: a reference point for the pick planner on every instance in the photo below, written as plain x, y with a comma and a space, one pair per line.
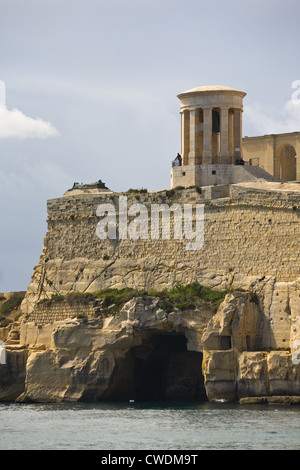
141, 353
250, 347
12, 374
242, 370
144, 353
252, 236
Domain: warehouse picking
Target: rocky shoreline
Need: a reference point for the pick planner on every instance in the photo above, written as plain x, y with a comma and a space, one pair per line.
150, 349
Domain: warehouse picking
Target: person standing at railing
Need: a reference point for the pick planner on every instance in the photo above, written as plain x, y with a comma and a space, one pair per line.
178, 160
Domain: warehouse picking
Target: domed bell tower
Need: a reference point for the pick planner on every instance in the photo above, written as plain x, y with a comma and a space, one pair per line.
211, 136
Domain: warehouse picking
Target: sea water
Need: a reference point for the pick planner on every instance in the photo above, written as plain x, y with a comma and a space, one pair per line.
149, 426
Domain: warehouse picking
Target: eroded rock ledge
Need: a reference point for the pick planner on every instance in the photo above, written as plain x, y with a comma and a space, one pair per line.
146, 353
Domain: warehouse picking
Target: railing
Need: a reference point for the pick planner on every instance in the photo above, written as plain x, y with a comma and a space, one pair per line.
253, 162
250, 162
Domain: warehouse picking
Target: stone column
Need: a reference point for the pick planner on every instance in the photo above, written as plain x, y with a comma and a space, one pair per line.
224, 141
215, 147
207, 136
230, 136
237, 133
194, 137
185, 136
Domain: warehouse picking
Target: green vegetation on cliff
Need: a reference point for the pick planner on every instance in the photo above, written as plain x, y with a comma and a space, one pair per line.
112, 300
9, 308
187, 297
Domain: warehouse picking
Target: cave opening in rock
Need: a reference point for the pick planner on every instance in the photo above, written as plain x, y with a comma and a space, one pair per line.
159, 369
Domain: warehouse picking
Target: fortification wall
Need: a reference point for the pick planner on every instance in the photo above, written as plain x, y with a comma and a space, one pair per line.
251, 241
252, 233
45, 313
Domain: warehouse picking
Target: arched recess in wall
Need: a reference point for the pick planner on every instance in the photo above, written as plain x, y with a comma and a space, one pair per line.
286, 158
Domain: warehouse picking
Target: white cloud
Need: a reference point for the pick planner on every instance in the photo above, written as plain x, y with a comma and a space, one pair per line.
268, 120
15, 124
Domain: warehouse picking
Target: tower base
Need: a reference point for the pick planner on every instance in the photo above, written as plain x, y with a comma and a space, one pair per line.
208, 175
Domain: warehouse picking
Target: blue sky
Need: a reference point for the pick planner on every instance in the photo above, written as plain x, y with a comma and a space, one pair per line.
91, 93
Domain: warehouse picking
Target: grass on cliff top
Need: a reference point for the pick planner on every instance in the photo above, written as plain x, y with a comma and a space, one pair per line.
117, 297
8, 307
109, 297
177, 295
187, 297
12, 303
181, 297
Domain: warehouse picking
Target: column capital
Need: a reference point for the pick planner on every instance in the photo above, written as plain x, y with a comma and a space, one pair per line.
189, 109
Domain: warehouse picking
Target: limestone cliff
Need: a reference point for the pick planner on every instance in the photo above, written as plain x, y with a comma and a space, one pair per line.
145, 353
247, 349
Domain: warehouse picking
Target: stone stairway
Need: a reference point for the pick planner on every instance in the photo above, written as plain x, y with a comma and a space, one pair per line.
251, 173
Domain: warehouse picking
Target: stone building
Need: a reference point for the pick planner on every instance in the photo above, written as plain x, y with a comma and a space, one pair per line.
278, 154
211, 136
213, 150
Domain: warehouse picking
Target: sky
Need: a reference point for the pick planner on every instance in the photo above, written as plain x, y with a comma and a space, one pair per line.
88, 91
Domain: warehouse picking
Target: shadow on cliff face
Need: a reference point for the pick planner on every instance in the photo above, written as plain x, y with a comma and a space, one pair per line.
160, 369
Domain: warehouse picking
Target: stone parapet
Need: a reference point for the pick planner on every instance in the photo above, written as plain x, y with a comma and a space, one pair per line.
44, 313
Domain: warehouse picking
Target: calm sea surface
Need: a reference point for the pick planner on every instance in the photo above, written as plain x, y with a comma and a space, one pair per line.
145, 426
